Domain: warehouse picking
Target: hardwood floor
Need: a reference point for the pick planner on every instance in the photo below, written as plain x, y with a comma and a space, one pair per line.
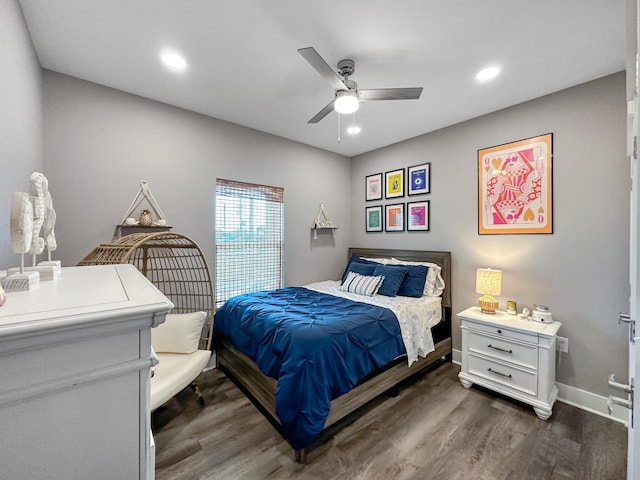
433, 429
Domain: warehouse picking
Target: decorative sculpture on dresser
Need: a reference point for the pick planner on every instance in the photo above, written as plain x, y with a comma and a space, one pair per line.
38, 186
49, 230
29, 213
21, 227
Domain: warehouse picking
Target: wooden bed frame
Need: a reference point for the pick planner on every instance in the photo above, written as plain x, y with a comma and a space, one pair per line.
260, 389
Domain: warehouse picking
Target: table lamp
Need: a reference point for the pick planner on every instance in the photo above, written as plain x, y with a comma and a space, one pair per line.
488, 283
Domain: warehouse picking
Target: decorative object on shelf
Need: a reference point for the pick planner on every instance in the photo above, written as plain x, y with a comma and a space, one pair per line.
394, 183
515, 187
3, 296
419, 179
488, 283
323, 222
394, 218
512, 307
373, 187
374, 218
418, 216
145, 219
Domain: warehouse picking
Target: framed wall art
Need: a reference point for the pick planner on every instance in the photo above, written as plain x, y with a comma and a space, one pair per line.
515, 188
373, 217
373, 187
394, 183
394, 217
418, 179
418, 216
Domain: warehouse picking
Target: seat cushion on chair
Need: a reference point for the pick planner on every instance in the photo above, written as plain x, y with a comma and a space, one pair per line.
180, 333
175, 372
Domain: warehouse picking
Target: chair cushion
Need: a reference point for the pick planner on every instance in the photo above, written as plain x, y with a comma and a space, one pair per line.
174, 373
180, 333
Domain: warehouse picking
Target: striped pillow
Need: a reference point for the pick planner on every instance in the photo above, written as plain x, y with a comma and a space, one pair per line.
361, 284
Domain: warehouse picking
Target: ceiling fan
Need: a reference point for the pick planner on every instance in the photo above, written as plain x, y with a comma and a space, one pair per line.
347, 96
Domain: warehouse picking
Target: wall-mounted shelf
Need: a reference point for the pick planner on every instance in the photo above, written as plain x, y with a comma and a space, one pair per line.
323, 222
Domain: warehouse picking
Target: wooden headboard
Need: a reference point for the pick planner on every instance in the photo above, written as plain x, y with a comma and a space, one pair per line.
440, 258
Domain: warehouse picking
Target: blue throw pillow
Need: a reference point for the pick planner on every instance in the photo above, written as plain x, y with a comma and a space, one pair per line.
356, 259
413, 283
361, 268
393, 277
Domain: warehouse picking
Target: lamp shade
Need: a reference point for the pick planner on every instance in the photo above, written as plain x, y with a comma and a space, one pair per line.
488, 281
346, 101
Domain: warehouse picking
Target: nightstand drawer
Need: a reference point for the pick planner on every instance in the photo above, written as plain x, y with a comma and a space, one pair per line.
504, 332
504, 350
498, 373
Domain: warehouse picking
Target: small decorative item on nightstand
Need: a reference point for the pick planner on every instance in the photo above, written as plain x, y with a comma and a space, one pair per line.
488, 283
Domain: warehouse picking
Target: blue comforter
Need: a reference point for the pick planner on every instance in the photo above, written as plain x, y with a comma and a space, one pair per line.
316, 345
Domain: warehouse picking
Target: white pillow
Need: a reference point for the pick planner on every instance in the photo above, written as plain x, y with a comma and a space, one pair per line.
383, 261
361, 284
434, 285
180, 333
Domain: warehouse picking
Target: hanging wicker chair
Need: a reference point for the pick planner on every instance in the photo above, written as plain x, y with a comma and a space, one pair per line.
176, 266
173, 263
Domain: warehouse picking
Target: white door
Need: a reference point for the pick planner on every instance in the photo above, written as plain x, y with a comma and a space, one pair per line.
633, 444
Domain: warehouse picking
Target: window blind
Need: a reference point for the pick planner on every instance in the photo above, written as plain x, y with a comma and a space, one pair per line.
249, 238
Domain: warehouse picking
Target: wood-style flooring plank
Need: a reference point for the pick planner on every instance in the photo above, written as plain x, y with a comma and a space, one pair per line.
433, 429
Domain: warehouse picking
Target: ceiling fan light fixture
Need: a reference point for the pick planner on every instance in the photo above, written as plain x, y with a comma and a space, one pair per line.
346, 101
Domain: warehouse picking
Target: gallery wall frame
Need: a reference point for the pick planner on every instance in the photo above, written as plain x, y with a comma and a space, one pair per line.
394, 217
394, 183
515, 187
373, 187
373, 216
419, 179
418, 216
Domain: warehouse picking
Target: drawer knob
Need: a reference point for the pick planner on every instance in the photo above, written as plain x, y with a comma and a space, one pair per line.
499, 331
495, 372
503, 350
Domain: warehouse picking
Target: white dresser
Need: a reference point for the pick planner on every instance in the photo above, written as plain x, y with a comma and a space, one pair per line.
510, 355
74, 376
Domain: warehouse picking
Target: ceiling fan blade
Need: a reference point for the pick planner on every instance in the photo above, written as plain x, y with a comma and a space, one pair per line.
322, 113
390, 94
317, 62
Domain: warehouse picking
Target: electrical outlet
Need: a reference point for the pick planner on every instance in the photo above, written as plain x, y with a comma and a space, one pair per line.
562, 344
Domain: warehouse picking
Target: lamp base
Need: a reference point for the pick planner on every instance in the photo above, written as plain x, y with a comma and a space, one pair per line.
488, 304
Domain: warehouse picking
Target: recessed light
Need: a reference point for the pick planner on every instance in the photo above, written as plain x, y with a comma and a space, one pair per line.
354, 130
487, 74
174, 61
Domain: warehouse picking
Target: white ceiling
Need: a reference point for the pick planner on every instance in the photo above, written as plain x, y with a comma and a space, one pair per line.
243, 64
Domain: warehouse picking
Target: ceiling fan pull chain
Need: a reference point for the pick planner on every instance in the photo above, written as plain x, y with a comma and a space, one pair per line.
339, 127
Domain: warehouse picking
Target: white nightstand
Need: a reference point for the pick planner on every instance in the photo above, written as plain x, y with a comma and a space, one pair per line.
510, 355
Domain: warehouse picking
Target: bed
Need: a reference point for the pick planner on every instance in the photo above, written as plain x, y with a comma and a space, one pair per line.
378, 366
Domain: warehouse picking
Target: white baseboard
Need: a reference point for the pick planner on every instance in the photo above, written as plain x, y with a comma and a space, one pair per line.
590, 402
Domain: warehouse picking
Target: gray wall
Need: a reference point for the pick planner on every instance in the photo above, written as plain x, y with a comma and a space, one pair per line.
581, 271
20, 117
101, 143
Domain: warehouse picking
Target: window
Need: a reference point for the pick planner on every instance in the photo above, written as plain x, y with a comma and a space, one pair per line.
249, 238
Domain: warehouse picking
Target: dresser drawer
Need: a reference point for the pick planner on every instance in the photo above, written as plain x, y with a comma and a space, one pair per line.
505, 375
503, 332
504, 350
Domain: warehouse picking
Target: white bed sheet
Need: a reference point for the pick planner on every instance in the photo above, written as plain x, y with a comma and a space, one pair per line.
416, 316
